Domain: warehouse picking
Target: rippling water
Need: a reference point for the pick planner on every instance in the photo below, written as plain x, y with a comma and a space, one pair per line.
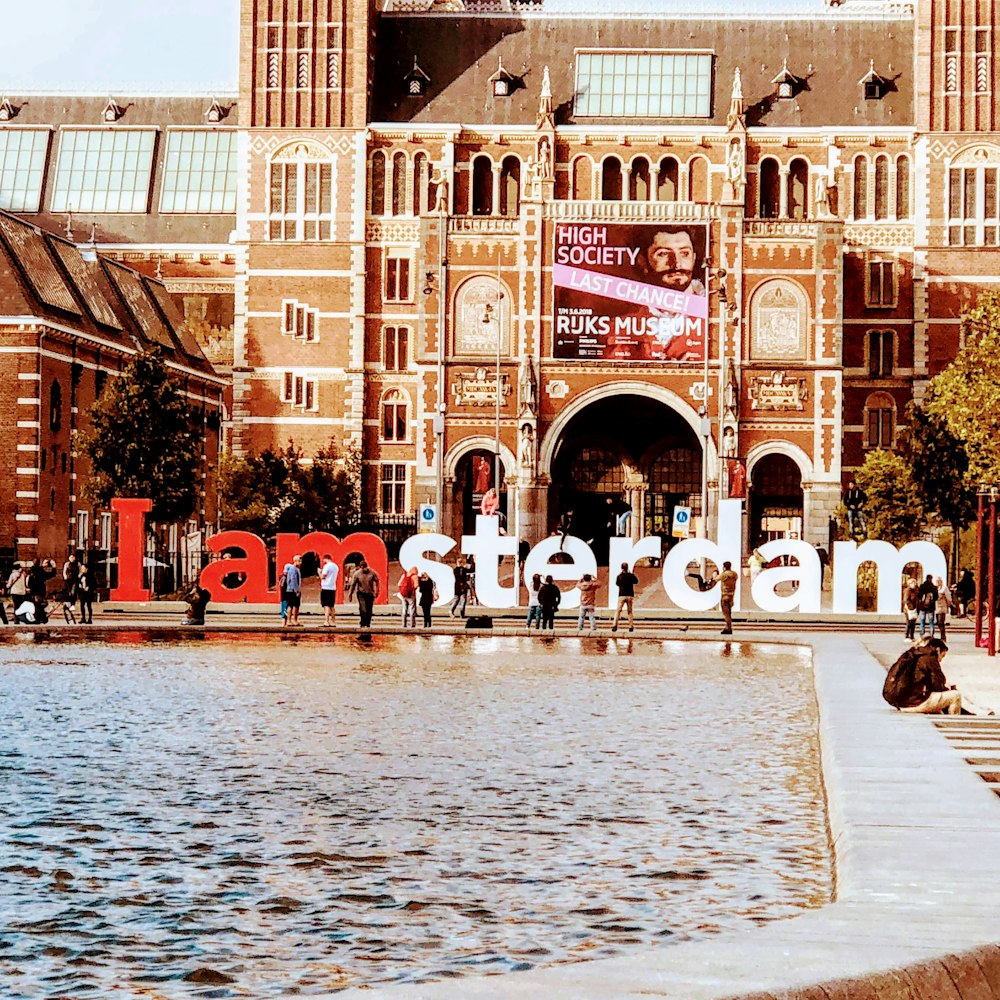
222, 818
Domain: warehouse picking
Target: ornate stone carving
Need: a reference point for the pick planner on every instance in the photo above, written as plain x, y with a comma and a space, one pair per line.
778, 321
778, 392
479, 388
482, 316
527, 388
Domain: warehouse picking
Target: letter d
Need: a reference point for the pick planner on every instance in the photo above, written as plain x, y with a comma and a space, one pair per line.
692, 549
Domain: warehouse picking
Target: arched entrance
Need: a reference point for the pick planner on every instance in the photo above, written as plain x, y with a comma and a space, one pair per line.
776, 499
475, 474
624, 453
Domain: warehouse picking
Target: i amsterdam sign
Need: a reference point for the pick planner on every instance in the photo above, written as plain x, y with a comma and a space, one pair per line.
425, 552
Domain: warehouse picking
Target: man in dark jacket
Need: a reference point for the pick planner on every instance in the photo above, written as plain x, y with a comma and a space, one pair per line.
549, 598
626, 582
916, 684
855, 499
927, 597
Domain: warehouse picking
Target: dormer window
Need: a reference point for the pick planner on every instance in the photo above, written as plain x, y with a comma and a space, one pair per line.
216, 112
112, 111
787, 83
416, 81
501, 82
872, 84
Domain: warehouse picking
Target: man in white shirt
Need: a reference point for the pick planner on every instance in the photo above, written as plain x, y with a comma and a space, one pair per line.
328, 589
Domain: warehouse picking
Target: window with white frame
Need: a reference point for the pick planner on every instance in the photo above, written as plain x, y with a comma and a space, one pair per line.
300, 194
880, 421
83, 529
392, 477
199, 172
952, 61
623, 84
22, 168
395, 407
972, 205
103, 170
881, 353
398, 268
300, 321
982, 60
299, 391
395, 347
880, 282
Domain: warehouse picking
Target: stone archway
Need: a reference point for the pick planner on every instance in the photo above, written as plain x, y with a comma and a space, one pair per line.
470, 459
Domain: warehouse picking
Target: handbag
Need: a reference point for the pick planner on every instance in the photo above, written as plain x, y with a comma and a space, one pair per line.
911, 614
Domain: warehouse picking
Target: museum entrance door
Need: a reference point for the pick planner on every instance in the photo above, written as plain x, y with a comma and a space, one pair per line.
776, 500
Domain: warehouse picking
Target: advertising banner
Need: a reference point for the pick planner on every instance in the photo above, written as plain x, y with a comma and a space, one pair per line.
630, 292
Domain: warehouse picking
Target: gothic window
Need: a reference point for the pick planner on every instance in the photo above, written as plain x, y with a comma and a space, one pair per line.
611, 179
902, 187
597, 470
378, 182
667, 189
395, 340
510, 186
882, 187
770, 188
299, 391
698, 179
638, 183
880, 421
583, 179
300, 193
972, 198
398, 183
394, 413
860, 205
421, 184
482, 186
798, 189
881, 350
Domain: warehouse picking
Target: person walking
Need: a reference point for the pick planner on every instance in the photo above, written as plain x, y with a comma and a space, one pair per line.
470, 577
365, 585
755, 563
534, 608
549, 598
407, 591
727, 581
461, 574
626, 582
942, 608
588, 602
427, 596
291, 591
927, 597
85, 595
328, 590
910, 608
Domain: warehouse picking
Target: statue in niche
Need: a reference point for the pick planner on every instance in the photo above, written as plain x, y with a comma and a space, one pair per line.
441, 194
527, 387
526, 453
544, 158
821, 197
728, 449
736, 169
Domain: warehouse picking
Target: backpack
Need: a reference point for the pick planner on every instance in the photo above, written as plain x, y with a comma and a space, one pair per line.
926, 601
899, 679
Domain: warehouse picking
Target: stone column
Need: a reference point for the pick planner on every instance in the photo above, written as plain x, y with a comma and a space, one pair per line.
448, 526
819, 504
783, 192
532, 511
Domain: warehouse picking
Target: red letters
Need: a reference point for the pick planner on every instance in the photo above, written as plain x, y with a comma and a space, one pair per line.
253, 565
131, 548
370, 546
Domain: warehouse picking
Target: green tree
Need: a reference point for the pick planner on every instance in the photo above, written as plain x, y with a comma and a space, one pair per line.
144, 441
966, 395
939, 467
895, 511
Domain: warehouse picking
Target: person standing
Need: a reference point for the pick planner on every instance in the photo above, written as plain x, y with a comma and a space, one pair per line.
425, 590
824, 562
291, 591
588, 602
727, 581
470, 578
534, 608
626, 582
407, 590
366, 585
461, 574
910, 608
71, 577
942, 607
549, 598
966, 591
328, 590
17, 585
927, 597
755, 563
523, 551
855, 499
85, 595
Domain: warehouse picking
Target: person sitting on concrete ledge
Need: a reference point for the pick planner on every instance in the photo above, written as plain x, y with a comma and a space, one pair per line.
197, 602
916, 684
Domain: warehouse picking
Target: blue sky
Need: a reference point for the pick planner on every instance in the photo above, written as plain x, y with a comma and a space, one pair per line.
174, 46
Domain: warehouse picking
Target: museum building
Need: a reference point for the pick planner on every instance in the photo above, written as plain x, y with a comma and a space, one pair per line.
653, 258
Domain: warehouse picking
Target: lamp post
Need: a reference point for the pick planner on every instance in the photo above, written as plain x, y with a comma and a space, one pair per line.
496, 454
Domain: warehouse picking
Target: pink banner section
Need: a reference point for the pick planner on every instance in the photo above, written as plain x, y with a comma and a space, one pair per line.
638, 293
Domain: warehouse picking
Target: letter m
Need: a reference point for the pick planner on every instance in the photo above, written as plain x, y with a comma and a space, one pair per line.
889, 566
370, 546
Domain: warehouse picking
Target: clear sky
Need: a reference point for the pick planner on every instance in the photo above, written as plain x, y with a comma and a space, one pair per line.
175, 46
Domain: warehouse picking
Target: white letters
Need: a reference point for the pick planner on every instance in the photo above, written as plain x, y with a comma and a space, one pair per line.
889, 564
624, 550
692, 549
583, 562
411, 553
489, 546
806, 596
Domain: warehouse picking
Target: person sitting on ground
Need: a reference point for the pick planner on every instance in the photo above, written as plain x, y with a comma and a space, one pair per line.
916, 684
197, 602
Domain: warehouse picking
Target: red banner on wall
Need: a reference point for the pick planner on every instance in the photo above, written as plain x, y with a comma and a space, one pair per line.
629, 292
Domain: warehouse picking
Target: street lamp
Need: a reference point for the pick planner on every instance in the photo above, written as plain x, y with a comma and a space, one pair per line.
488, 315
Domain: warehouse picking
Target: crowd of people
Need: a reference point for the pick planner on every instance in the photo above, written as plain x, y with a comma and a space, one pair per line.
31, 595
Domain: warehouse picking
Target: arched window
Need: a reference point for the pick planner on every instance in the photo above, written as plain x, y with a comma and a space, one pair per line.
583, 179
674, 480
421, 184
482, 186
882, 187
770, 189
399, 184
597, 470
798, 189
638, 182
510, 186
860, 203
300, 193
55, 406
698, 179
881, 351
902, 187
666, 185
378, 183
394, 411
880, 421
611, 179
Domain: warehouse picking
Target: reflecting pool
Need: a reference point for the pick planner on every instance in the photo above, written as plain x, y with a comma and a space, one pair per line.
243, 816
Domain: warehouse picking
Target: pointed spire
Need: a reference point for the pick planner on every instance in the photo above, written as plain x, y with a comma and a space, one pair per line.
736, 109
544, 118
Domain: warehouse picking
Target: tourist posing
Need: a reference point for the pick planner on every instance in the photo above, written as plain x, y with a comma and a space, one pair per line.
85, 595
916, 684
461, 574
406, 590
427, 595
290, 584
588, 602
626, 582
365, 585
727, 581
549, 598
328, 590
910, 608
855, 499
534, 608
942, 608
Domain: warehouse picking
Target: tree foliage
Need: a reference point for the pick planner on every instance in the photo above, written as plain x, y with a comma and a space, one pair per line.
281, 491
144, 441
895, 511
966, 395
